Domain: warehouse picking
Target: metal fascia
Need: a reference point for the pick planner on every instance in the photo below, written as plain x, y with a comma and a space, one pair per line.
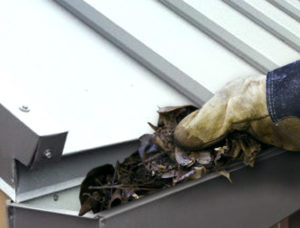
138, 51
19, 142
228, 40
266, 22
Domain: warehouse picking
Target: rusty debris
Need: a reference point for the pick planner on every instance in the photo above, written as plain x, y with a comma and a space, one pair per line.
159, 164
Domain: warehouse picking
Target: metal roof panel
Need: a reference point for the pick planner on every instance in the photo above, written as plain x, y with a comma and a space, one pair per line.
178, 42
246, 30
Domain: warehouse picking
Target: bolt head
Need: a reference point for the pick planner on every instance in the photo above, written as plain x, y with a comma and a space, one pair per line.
55, 197
24, 108
48, 153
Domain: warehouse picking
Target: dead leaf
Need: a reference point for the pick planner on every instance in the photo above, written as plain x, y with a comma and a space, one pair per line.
225, 174
202, 157
182, 158
199, 172
160, 164
116, 199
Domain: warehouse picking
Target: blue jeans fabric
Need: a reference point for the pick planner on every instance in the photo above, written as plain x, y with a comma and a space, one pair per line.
283, 92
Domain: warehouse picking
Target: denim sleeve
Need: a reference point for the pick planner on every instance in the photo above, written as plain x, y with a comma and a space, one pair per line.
283, 92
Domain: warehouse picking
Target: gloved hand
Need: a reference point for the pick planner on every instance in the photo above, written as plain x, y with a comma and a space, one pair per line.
239, 105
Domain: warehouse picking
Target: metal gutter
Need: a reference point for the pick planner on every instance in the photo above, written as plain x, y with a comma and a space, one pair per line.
216, 32
137, 50
240, 204
266, 22
287, 8
272, 152
26, 217
68, 172
248, 202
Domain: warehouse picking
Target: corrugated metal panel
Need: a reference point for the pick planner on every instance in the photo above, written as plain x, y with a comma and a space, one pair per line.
178, 42
271, 19
138, 51
218, 33
289, 7
78, 79
247, 31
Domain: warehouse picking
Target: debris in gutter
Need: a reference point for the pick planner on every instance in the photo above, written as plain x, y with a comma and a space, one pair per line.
159, 164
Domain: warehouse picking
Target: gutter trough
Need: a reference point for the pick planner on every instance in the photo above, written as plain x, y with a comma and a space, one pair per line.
270, 189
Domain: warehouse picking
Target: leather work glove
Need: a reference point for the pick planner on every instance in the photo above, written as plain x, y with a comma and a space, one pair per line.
266, 107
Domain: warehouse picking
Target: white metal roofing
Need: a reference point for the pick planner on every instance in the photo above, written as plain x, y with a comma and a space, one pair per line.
101, 96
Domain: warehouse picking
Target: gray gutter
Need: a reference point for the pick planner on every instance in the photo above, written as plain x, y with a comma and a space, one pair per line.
250, 201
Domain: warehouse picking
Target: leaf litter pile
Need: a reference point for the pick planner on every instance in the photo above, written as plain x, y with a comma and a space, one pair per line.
159, 164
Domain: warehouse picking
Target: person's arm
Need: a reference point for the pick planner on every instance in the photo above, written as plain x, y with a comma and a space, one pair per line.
266, 107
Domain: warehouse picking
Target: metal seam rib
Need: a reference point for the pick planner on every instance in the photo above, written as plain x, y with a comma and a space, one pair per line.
227, 39
138, 51
287, 8
267, 23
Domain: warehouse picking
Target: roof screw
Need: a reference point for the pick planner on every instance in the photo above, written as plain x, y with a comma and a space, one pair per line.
48, 154
24, 108
55, 197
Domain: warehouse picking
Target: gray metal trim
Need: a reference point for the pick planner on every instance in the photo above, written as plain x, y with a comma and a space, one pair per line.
216, 32
19, 142
8, 171
266, 22
287, 8
49, 149
68, 172
31, 218
138, 51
